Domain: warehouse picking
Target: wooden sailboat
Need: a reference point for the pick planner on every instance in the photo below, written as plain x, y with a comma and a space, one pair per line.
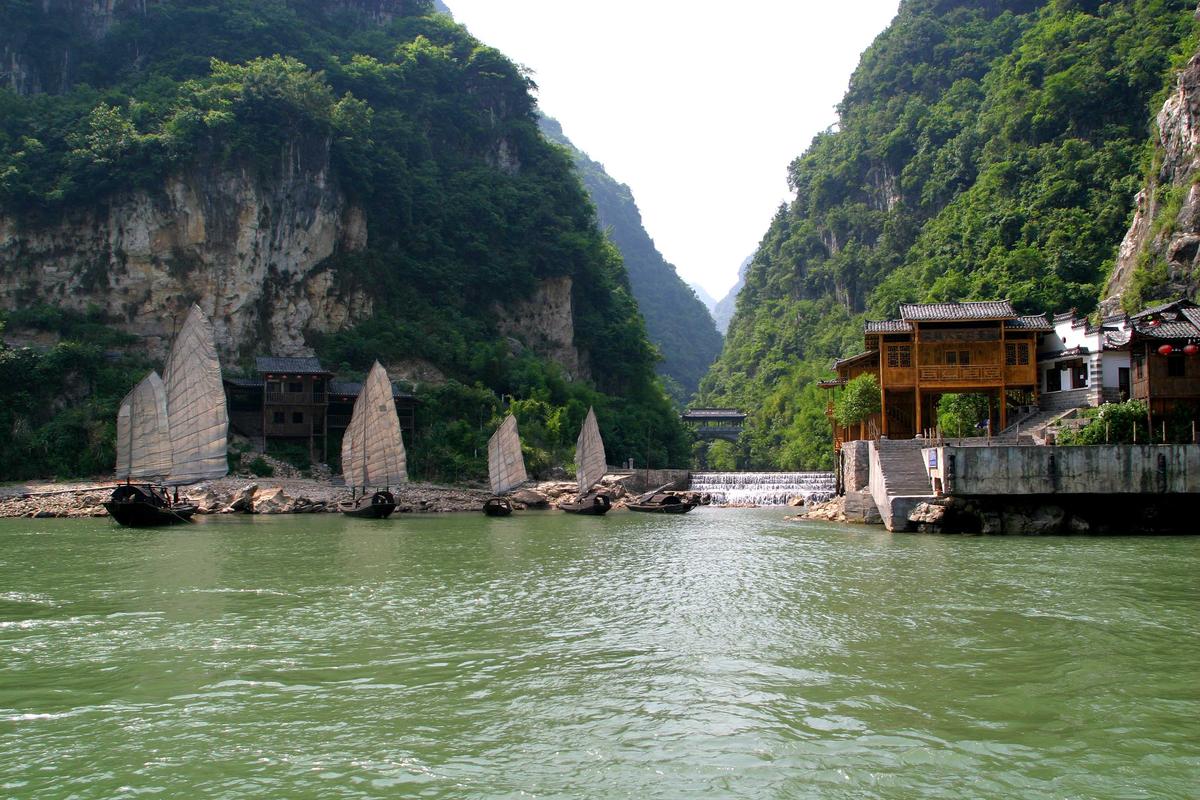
590, 466
172, 433
373, 450
661, 501
506, 467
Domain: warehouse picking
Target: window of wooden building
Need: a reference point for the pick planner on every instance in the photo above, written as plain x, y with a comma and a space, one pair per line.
296, 387
899, 356
960, 357
1176, 367
298, 417
278, 418
1016, 354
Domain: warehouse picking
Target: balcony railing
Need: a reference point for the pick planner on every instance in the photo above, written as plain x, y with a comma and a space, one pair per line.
960, 374
296, 398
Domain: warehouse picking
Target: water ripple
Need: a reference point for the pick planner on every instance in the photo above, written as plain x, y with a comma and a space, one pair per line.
720, 654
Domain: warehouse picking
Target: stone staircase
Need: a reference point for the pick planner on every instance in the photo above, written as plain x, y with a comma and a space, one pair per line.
899, 481
1036, 428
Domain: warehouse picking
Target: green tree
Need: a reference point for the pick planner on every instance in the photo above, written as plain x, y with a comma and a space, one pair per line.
858, 401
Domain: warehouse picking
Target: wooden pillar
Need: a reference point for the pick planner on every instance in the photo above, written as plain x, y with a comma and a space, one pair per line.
1003, 376
883, 425
917, 376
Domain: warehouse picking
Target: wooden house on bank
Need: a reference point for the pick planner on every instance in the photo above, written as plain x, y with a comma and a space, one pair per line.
1164, 350
940, 348
297, 400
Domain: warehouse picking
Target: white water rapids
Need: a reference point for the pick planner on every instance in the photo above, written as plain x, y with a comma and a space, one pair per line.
764, 488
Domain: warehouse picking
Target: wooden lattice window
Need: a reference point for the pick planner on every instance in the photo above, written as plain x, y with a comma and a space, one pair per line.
899, 356
1016, 354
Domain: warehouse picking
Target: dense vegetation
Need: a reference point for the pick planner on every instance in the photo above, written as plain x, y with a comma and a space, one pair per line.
431, 132
983, 150
677, 321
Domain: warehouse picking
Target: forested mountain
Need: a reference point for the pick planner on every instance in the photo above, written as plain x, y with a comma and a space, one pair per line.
676, 319
722, 312
358, 177
983, 150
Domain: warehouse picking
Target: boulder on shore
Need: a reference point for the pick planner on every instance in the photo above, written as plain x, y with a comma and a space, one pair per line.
530, 499
242, 500
273, 501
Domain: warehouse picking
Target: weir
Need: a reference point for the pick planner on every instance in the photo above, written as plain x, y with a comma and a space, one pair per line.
764, 488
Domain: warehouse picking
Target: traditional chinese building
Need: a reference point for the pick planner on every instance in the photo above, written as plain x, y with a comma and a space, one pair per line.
1084, 363
715, 423
940, 348
1164, 349
297, 400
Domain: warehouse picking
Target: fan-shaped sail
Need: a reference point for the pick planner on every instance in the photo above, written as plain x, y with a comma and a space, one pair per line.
196, 403
143, 441
506, 465
372, 448
590, 463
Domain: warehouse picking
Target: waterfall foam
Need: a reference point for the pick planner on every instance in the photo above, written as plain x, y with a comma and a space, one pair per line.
764, 488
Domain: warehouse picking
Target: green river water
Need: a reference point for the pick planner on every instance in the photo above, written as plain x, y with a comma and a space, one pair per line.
721, 654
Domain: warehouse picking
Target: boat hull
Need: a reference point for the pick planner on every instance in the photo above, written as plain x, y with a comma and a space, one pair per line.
662, 508
597, 506
138, 507
378, 506
498, 507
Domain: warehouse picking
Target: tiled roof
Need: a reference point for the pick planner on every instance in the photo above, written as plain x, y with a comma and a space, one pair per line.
1033, 322
245, 383
290, 366
949, 312
354, 389
1070, 352
1180, 329
1115, 340
887, 326
712, 413
867, 356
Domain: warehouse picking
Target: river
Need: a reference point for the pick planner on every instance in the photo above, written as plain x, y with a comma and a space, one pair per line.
722, 654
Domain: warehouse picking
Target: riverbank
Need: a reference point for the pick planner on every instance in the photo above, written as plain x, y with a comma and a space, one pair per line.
49, 499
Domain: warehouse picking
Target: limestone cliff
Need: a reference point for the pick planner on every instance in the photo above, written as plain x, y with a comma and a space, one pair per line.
253, 251
1159, 255
545, 322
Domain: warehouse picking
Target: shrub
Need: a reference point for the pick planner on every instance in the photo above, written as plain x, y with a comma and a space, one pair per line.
858, 401
261, 468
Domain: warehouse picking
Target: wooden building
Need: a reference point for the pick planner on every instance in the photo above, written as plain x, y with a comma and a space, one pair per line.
295, 401
1164, 349
298, 400
941, 348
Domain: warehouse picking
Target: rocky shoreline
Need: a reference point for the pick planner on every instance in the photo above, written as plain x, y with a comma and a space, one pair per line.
45, 500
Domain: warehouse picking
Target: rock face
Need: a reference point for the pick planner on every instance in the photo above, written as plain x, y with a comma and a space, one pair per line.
1171, 191
254, 252
545, 322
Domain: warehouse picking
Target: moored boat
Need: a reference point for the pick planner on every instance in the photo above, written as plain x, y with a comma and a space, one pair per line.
172, 432
590, 466
506, 467
373, 450
663, 503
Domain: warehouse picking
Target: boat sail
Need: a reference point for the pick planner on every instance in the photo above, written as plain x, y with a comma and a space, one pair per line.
172, 432
143, 439
590, 467
373, 448
506, 467
199, 420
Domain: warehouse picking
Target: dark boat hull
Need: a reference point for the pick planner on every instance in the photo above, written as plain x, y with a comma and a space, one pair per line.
498, 507
598, 506
661, 508
137, 507
378, 506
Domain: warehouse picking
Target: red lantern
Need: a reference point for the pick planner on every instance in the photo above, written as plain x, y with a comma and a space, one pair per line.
1191, 349
1166, 350
1155, 322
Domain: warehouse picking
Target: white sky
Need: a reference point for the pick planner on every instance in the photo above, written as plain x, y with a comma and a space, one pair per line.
698, 106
